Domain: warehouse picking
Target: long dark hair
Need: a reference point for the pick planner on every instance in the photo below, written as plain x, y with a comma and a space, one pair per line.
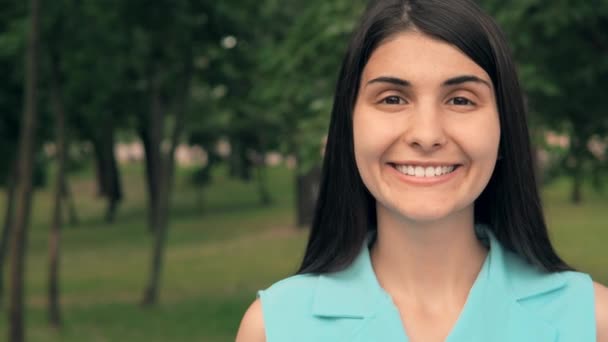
509, 205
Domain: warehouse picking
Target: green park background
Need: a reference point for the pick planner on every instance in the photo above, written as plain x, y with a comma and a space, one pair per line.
191, 131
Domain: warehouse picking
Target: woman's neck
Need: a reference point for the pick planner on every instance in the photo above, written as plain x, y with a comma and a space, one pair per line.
431, 265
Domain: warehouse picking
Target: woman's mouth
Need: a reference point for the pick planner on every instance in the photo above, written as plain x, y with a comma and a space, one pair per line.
421, 171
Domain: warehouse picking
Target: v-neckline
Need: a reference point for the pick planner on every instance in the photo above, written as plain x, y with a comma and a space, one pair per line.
458, 331
493, 311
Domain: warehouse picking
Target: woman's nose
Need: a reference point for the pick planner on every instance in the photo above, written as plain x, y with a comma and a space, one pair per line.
425, 131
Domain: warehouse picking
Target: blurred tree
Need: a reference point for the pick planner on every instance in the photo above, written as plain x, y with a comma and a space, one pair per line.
271, 72
562, 50
232, 74
56, 219
7, 227
23, 190
94, 66
54, 34
159, 59
12, 43
299, 56
209, 117
162, 47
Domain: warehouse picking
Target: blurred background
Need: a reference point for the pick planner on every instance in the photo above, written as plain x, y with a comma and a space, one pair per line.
160, 159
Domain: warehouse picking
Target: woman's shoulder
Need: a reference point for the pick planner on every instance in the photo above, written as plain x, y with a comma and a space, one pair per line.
252, 324
530, 281
564, 300
281, 301
601, 311
301, 284
531, 284
288, 298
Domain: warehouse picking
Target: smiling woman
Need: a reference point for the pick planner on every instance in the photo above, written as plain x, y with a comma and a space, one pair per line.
420, 107
428, 224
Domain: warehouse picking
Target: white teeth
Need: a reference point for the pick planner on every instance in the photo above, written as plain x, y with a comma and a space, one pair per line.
420, 171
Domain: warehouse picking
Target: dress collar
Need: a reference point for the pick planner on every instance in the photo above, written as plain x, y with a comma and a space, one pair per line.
504, 280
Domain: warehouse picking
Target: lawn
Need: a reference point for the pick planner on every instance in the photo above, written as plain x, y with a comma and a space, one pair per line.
223, 246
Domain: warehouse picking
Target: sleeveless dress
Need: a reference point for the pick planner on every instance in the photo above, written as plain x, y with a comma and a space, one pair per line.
510, 301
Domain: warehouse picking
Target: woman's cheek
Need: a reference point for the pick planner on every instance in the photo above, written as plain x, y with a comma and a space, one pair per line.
375, 133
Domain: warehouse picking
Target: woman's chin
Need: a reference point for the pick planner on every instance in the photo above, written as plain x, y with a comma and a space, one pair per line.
422, 214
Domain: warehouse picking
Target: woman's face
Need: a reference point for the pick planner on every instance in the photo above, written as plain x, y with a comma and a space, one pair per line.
426, 128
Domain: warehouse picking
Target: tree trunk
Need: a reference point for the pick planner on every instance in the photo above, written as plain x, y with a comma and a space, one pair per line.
577, 155
240, 166
154, 137
157, 224
23, 191
56, 220
166, 162
151, 171
112, 177
307, 191
8, 224
576, 196
68, 197
160, 222
263, 192
100, 167
108, 178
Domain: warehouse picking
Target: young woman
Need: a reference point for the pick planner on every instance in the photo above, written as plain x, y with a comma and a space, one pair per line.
429, 225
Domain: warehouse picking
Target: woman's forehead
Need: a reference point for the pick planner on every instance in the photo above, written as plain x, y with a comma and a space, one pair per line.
417, 57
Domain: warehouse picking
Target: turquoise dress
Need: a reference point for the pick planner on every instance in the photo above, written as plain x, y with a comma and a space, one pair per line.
509, 301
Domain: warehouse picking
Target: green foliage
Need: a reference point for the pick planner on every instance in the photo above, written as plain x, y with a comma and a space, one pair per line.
88, 41
12, 45
303, 63
264, 71
267, 76
561, 48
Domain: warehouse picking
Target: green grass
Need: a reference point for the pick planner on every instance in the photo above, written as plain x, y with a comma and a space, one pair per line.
220, 251
579, 232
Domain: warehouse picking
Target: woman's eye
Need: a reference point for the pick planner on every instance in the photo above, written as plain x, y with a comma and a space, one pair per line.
461, 101
392, 100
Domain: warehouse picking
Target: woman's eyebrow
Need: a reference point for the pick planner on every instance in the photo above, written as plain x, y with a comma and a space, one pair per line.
391, 80
464, 79
449, 82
